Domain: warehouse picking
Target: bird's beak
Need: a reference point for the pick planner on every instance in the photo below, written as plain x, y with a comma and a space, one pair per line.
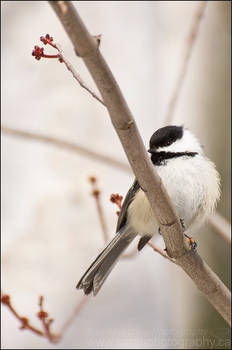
150, 150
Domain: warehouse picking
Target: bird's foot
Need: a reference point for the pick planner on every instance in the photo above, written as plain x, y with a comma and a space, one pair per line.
192, 242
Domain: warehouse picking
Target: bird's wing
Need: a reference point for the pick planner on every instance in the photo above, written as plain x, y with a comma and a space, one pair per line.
127, 201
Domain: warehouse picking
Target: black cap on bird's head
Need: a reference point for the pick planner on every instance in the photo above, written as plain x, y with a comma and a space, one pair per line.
164, 137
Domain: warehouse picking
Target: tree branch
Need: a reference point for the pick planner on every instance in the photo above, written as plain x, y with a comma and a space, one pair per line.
190, 40
64, 145
221, 225
96, 194
75, 312
76, 75
160, 251
122, 119
125, 127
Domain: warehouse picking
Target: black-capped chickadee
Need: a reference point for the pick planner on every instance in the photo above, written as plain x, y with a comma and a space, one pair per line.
192, 183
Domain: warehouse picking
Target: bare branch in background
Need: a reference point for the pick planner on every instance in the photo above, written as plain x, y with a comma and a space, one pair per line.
74, 314
96, 194
190, 40
25, 322
73, 147
222, 226
44, 318
122, 119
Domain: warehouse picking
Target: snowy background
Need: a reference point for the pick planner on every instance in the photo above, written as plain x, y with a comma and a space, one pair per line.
50, 227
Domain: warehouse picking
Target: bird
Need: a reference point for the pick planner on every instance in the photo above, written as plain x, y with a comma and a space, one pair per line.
192, 183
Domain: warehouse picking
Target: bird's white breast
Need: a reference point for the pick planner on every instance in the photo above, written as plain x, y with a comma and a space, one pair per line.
193, 186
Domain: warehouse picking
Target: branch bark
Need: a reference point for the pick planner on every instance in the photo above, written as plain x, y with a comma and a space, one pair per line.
125, 126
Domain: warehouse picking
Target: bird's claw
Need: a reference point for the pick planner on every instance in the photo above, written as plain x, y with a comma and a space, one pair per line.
192, 242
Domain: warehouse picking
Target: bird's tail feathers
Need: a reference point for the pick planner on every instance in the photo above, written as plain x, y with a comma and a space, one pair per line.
98, 271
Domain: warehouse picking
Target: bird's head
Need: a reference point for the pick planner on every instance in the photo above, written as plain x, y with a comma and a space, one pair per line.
174, 139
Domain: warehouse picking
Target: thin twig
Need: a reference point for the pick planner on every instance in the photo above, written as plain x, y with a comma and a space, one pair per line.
77, 76
25, 323
46, 323
43, 317
102, 221
5, 299
96, 195
38, 53
160, 251
73, 315
177, 245
190, 40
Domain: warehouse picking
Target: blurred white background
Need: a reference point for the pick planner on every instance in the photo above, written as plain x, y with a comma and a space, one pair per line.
50, 227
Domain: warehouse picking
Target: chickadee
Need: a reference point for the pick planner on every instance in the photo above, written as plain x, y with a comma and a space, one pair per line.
192, 183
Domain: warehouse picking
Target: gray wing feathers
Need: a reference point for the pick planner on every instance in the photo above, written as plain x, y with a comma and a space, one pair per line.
127, 201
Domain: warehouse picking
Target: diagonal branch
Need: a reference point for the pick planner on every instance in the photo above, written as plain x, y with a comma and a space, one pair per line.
125, 126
